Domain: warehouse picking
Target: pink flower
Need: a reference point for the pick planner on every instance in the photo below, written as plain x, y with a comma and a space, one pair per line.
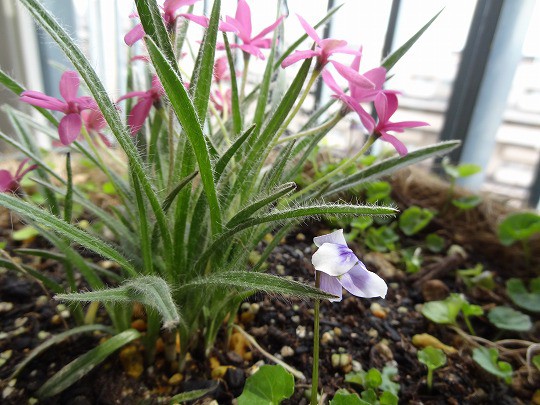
385, 106
95, 123
241, 25
324, 49
70, 125
359, 92
340, 268
221, 69
169, 14
222, 100
10, 183
146, 99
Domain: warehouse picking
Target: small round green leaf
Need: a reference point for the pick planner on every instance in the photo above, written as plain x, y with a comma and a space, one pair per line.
523, 298
517, 227
509, 319
268, 386
414, 219
433, 358
435, 243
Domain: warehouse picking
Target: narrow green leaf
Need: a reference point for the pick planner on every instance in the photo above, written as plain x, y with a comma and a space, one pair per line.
151, 291
235, 101
262, 100
258, 281
194, 394
68, 199
189, 120
154, 27
203, 72
48, 254
144, 227
274, 175
389, 165
82, 365
229, 153
116, 226
261, 145
63, 228
293, 213
57, 339
393, 58
29, 271
172, 195
261, 202
107, 107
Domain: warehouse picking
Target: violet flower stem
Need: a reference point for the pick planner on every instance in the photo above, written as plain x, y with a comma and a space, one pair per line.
315, 370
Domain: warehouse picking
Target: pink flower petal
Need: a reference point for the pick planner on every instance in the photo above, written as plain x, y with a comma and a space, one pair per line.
268, 29
331, 285
253, 50
330, 82
356, 61
138, 114
69, 128
309, 29
6, 181
243, 16
38, 99
331, 45
69, 85
353, 77
396, 126
396, 143
297, 56
226, 27
86, 102
197, 19
367, 120
363, 283
134, 35
263, 43
132, 94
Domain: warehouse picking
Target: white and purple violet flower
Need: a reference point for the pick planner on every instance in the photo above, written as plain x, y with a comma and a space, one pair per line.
340, 268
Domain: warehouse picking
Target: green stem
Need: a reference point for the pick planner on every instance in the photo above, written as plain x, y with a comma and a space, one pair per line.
469, 325
430, 378
300, 102
344, 165
244, 75
328, 124
315, 370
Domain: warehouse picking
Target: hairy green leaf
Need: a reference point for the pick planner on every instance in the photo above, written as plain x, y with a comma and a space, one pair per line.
82, 365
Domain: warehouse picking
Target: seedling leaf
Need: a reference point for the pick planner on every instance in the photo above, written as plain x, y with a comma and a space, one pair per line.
509, 319
414, 219
518, 227
487, 359
521, 297
268, 386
